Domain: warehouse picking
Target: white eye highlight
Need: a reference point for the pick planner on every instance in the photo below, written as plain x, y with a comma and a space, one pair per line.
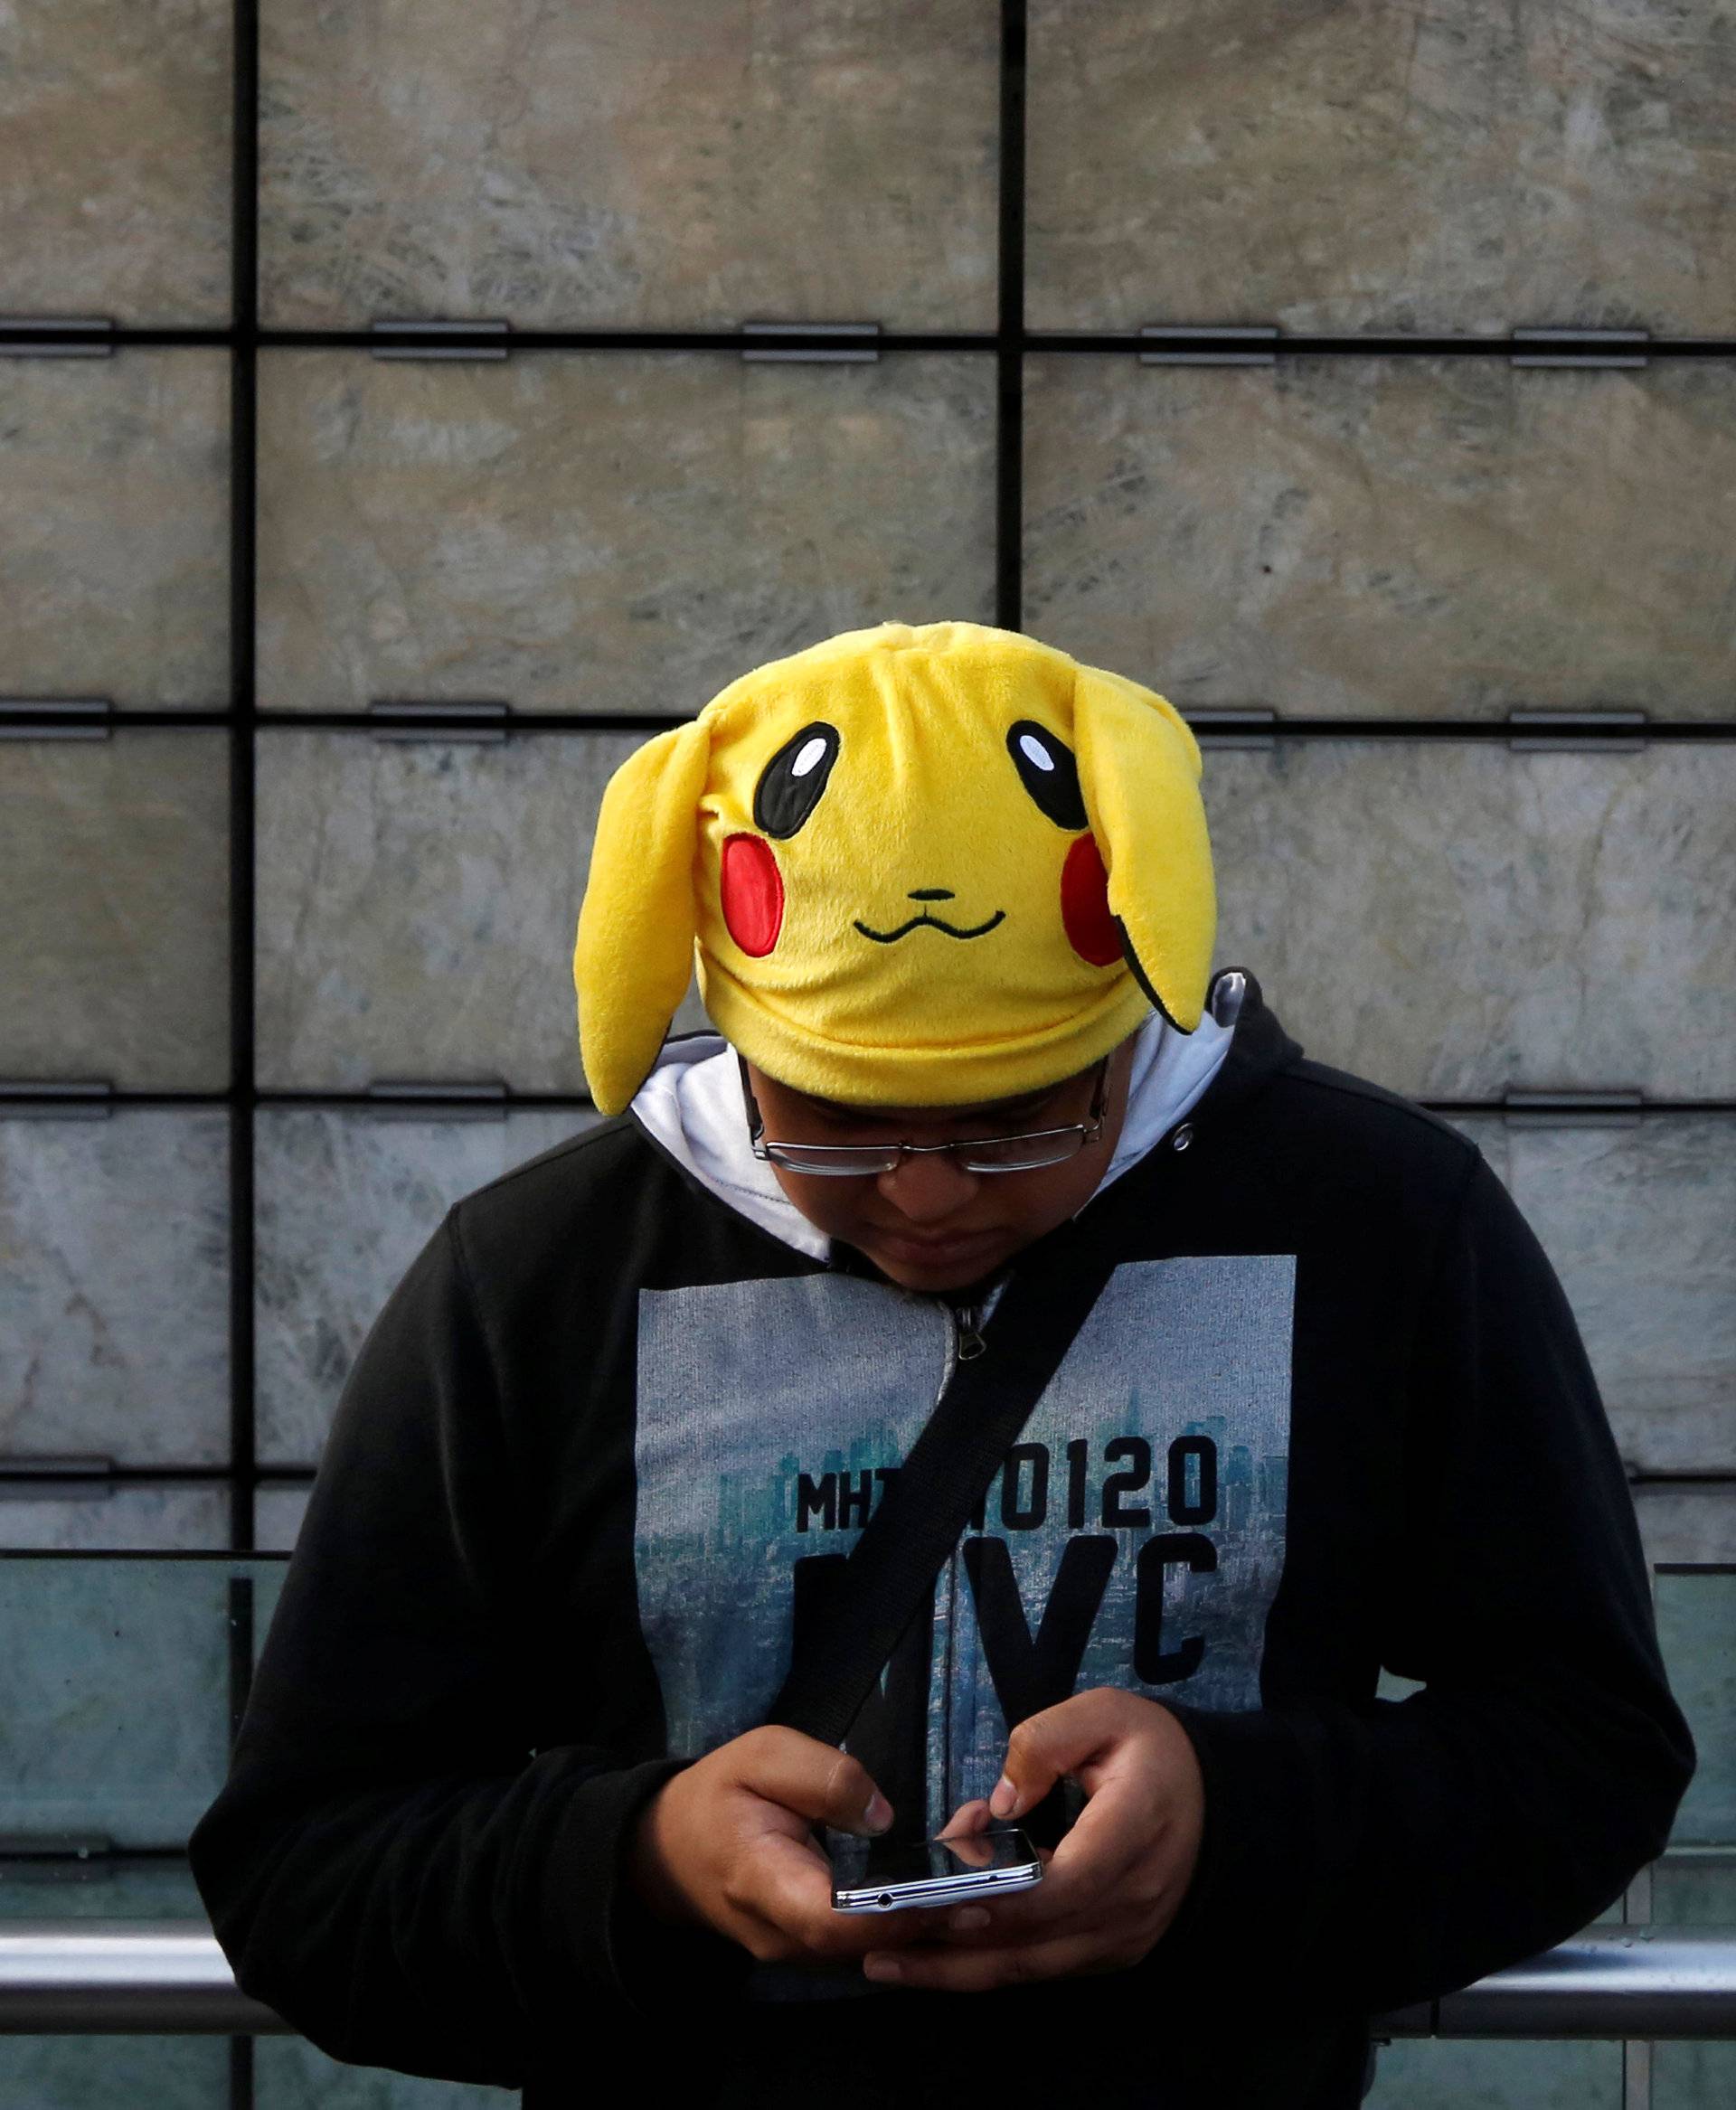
1034, 750
812, 753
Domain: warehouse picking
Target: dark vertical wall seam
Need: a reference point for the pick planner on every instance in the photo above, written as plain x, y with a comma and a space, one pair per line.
244, 314
244, 1092
1009, 358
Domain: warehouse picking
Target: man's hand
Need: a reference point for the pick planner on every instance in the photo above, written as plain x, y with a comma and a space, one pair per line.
727, 1843
1116, 1882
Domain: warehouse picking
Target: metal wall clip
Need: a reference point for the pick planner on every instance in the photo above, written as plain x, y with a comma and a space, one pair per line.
56, 1099
826, 354
384, 722
56, 336
83, 1477
1182, 345
409, 1099
1623, 1108
1578, 347
1583, 731
404, 339
56, 717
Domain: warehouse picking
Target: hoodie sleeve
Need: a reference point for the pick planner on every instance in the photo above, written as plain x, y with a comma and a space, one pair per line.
1382, 1853
389, 1865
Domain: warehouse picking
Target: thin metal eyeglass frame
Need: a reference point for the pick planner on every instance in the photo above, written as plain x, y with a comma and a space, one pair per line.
875, 1158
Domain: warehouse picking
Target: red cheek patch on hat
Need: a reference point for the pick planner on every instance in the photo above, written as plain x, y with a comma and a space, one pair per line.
1091, 930
752, 891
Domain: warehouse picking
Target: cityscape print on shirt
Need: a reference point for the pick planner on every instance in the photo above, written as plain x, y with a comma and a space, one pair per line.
1134, 1538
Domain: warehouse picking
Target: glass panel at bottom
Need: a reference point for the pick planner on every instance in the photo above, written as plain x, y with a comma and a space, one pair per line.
1431, 2072
1689, 1891
1693, 2077
1696, 1630
114, 2073
98, 1888
291, 2074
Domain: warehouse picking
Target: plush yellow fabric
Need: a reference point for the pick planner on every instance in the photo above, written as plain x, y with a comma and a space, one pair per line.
878, 856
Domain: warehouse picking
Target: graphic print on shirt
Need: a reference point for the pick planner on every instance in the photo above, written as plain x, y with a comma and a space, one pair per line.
1134, 1538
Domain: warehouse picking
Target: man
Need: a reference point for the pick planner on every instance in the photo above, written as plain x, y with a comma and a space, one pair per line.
507, 1804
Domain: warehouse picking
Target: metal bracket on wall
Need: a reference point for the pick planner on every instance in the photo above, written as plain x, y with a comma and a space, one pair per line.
56, 717
1578, 347
1182, 345
399, 1099
1583, 731
74, 1099
1621, 1108
56, 1857
56, 336
81, 1478
403, 339
383, 722
826, 354
1234, 726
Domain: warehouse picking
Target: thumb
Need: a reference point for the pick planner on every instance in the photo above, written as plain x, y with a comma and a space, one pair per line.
1058, 1740
815, 1780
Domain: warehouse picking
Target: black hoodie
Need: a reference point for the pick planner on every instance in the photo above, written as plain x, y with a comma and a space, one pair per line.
1331, 1413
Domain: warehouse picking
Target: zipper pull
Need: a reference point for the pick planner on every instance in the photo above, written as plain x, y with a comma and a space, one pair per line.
966, 1320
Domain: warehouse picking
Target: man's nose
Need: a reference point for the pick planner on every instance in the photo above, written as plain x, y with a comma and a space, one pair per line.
928, 1189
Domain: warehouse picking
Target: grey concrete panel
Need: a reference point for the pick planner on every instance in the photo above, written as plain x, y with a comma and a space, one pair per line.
1455, 921
277, 1514
605, 532
1361, 166
418, 905
114, 522
345, 1203
117, 1519
1411, 538
1683, 1521
115, 1291
656, 164
115, 184
1640, 1224
114, 950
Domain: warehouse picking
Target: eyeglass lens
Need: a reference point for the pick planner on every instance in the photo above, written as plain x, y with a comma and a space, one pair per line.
992, 1153
1009, 1153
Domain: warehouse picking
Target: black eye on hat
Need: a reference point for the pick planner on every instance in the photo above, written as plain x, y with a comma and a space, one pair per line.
1048, 771
790, 784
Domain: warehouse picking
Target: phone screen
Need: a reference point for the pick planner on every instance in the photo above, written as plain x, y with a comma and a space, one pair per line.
861, 1862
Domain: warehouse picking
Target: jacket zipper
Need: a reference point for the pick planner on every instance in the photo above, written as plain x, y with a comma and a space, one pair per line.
965, 1341
967, 1333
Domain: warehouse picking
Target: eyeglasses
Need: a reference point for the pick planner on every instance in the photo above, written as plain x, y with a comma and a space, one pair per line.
983, 1154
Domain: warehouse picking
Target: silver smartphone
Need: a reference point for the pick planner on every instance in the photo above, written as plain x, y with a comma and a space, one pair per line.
884, 1875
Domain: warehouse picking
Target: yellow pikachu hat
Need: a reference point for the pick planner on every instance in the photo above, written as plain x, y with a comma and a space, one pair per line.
914, 865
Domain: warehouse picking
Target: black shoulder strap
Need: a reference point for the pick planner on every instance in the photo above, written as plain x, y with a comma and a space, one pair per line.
891, 1568
1054, 1282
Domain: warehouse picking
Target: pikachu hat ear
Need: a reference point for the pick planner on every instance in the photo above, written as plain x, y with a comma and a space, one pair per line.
1139, 774
634, 955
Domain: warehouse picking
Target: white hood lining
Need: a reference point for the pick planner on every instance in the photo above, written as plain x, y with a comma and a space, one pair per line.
691, 1102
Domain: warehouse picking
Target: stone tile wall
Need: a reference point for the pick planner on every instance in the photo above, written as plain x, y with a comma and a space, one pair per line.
1360, 167
237, 905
